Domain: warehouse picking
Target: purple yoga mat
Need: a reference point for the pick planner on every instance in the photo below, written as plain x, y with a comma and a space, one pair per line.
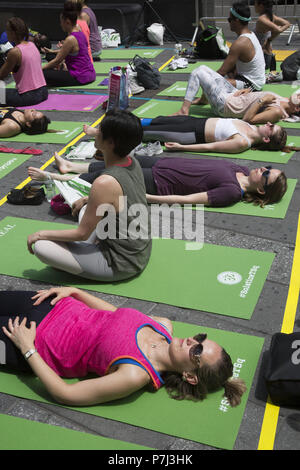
69, 102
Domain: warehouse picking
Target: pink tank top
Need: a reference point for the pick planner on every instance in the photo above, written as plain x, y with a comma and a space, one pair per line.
74, 339
30, 74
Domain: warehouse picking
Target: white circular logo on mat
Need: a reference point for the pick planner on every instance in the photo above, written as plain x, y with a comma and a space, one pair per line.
229, 277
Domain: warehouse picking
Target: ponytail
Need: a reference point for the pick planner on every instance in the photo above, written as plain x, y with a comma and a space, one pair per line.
234, 389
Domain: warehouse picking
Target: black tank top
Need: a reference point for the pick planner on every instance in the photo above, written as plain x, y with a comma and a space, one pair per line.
8, 114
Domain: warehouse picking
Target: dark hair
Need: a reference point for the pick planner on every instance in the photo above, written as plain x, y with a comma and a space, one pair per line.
268, 7
41, 40
243, 9
70, 12
18, 26
273, 193
124, 128
78, 5
38, 126
277, 142
210, 379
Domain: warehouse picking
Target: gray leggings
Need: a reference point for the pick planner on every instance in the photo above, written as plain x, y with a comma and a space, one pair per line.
83, 259
215, 87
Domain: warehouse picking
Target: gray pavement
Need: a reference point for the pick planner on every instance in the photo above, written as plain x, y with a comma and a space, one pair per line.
272, 235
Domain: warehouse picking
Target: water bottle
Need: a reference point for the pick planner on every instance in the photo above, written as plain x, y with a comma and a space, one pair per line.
50, 189
177, 50
298, 74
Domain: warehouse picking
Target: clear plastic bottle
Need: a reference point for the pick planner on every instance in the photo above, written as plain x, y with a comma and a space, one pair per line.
50, 189
298, 74
177, 50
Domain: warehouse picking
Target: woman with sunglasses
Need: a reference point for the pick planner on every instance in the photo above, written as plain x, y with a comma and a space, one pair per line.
215, 183
71, 333
255, 107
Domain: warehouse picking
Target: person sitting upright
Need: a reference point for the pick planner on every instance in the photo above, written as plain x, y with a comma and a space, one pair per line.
105, 246
74, 52
24, 62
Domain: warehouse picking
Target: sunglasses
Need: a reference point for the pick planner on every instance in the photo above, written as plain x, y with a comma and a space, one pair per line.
266, 174
196, 351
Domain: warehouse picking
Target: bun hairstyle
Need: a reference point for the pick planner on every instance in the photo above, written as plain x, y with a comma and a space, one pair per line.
70, 12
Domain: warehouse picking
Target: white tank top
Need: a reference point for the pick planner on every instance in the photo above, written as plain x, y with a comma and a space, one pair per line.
225, 129
254, 70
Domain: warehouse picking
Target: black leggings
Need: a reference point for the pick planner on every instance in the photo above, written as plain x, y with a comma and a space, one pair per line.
29, 98
12, 304
60, 78
185, 130
97, 168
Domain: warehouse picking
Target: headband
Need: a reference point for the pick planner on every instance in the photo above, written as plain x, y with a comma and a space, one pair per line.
242, 18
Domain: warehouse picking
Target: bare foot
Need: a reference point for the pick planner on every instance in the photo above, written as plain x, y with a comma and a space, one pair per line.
91, 131
37, 174
181, 112
63, 165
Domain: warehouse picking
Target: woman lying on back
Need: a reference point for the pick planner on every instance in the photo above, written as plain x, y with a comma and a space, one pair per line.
72, 334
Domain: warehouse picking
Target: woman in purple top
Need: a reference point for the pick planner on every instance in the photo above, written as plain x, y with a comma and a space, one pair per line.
71, 333
74, 52
186, 181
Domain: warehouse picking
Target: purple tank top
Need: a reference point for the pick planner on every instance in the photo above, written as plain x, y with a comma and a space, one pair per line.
80, 65
95, 38
74, 339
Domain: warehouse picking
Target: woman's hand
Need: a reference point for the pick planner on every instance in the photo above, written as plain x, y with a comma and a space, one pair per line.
173, 146
268, 99
34, 237
244, 91
58, 292
78, 205
22, 337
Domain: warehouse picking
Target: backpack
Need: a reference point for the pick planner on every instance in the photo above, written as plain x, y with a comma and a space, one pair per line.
210, 44
147, 75
290, 66
282, 374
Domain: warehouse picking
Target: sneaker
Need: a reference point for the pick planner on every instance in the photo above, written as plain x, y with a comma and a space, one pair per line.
134, 87
149, 150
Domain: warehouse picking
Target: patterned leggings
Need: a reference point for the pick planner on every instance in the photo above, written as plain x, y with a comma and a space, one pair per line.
215, 87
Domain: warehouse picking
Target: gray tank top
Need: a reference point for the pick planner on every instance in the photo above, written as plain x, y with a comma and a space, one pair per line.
130, 250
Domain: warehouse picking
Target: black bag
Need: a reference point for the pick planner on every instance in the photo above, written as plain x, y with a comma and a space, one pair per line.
283, 371
147, 75
290, 66
210, 44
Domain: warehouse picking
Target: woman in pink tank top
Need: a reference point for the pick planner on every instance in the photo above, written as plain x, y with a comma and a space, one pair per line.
78, 334
24, 62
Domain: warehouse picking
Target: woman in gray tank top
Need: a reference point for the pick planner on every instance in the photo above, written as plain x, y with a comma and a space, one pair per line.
111, 243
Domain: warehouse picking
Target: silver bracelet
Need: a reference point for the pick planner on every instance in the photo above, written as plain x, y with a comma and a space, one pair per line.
29, 353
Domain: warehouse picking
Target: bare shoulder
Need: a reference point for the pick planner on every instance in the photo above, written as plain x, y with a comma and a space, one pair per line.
133, 375
165, 322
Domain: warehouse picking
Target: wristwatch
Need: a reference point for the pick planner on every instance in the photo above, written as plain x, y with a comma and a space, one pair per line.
29, 353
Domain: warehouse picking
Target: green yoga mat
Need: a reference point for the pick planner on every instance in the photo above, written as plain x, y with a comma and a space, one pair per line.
214, 65
272, 211
124, 53
104, 67
10, 161
212, 422
67, 130
23, 434
178, 90
215, 279
160, 107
